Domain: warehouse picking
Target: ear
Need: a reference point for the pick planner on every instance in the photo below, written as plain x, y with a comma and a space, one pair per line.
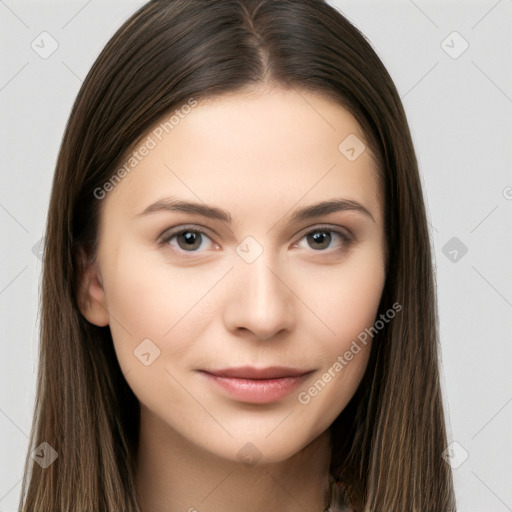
91, 296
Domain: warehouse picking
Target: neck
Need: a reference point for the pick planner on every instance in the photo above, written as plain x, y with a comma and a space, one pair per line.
174, 475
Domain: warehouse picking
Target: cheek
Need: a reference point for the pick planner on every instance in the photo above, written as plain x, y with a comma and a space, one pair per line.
348, 306
155, 301
347, 298
156, 316
321, 402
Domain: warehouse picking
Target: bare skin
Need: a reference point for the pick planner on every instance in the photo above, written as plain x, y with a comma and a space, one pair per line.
205, 306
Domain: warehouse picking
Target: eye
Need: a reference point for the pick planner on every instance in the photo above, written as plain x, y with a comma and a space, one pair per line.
187, 239
192, 240
322, 238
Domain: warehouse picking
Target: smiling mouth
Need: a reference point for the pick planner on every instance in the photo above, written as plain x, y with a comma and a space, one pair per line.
256, 385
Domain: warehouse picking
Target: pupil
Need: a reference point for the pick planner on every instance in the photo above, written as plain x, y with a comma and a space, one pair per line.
321, 237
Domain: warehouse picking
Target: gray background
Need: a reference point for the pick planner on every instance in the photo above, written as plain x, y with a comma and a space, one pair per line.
459, 107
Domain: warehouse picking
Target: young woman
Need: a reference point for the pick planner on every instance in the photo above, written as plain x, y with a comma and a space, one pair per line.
238, 302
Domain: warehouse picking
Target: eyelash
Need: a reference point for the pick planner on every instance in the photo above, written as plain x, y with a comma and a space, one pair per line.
346, 240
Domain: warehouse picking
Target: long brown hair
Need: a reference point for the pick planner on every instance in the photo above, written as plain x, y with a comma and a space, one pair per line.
387, 443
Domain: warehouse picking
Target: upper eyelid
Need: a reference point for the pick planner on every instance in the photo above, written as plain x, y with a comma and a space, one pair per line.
326, 227
171, 232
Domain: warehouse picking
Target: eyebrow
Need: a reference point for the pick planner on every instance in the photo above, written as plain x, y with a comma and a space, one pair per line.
213, 212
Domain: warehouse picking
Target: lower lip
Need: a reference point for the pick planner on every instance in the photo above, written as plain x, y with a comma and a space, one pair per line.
255, 391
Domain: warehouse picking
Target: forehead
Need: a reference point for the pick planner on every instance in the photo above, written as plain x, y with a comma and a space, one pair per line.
266, 150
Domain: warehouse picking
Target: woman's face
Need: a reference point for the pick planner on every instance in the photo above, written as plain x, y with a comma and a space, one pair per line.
234, 320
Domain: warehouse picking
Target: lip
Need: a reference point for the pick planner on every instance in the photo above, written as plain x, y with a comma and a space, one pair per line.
257, 385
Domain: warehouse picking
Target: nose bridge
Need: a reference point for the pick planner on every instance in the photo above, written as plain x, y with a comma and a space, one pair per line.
260, 301
263, 287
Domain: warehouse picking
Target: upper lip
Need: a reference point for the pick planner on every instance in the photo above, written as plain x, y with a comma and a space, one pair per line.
249, 372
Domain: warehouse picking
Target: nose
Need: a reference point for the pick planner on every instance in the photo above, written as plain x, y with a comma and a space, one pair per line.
259, 300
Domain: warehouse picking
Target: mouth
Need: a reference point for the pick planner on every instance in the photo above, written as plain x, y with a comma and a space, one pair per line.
256, 385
